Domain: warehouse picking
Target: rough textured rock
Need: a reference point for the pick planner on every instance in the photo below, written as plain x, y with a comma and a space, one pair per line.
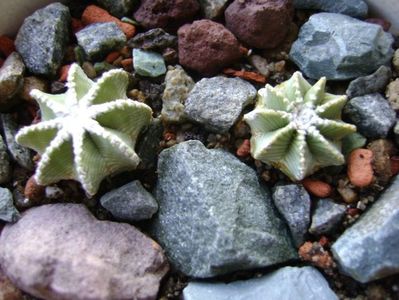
392, 93
326, 216
212, 9
369, 249
340, 47
178, 84
214, 217
153, 40
43, 37
288, 283
118, 8
98, 39
293, 202
259, 23
217, 102
370, 84
5, 168
148, 63
372, 115
130, 203
148, 145
32, 83
166, 14
11, 80
60, 251
353, 8
8, 212
206, 47
383, 150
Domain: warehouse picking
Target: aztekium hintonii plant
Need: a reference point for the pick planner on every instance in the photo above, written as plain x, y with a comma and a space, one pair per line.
87, 133
297, 127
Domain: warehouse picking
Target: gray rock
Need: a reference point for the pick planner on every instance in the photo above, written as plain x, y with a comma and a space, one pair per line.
372, 115
18, 153
148, 63
60, 251
5, 168
212, 9
370, 84
369, 249
340, 47
396, 132
98, 39
118, 8
287, 283
326, 216
11, 80
392, 93
353, 8
293, 202
214, 217
43, 37
130, 203
217, 102
8, 212
155, 39
148, 146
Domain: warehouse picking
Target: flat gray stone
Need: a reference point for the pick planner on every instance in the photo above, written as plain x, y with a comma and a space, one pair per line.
214, 217
293, 202
8, 212
353, 8
60, 251
155, 39
212, 9
217, 102
118, 8
130, 203
372, 115
43, 37
340, 47
288, 283
326, 216
5, 168
369, 249
99, 39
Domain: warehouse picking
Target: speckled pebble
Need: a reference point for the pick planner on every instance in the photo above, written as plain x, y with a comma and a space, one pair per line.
148, 63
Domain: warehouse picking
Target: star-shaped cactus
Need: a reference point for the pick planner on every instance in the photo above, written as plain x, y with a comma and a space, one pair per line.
297, 127
87, 133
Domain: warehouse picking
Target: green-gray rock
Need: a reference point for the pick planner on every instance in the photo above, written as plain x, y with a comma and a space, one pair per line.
5, 168
8, 212
148, 63
118, 8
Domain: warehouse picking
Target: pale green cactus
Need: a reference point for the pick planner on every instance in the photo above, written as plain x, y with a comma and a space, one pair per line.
297, 127
87, 133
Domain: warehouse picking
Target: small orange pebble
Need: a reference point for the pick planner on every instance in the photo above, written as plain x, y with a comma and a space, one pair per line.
324, 241
360, 167
243, 50
76, 25
33, 191
317, 188
248, 75
244, 148
167, 136
127, 64
316, 255
94, 14
7, 45
111, 57
394, 165
64, 73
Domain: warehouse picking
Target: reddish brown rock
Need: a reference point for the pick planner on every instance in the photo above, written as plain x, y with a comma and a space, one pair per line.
317, 188
360, 167
382, 150
207, 47
166, 14
260, 23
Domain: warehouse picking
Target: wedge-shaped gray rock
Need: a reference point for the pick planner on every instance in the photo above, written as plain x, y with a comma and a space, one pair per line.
326, 216
214, 217
60, 251
8, 212
287, 283
354, 8
340, 47
369, 249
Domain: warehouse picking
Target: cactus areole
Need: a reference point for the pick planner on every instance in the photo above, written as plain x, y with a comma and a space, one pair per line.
297, 127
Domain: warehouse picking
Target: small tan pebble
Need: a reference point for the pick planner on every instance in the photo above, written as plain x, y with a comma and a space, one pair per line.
317, 188
346, 190
279, 66
241, 130
244, 149
382, 150
34, 191
316, 254
360, 167
377, 292
32, 83
89, 70
392, 94
395, 60
136, 94
266, 176
260, 64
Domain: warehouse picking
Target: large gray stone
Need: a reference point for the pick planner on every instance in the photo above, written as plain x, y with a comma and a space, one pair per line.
353, 8
8, 212
369, 249
340, 47
293, 202
214, 217
43, 37
287, 283
5, 168
326, 216
118, 8
60, 251
217, 102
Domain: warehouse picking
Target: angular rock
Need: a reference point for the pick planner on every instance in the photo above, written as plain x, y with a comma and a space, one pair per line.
206, 47
340, 47
178, 84
326, 216
98, 39
288, 283
369, 249
60, 251
217, 102
130, 203
352, 141
383, 150
118, 8
293, 202
212, 9
43, 37
153, 40
11, 80
395, 60
214, 217
260, 23
353, 8
5, 168
372, 115
148, 63
148, 145
8, 212
166, 14
392, 93
370, 84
